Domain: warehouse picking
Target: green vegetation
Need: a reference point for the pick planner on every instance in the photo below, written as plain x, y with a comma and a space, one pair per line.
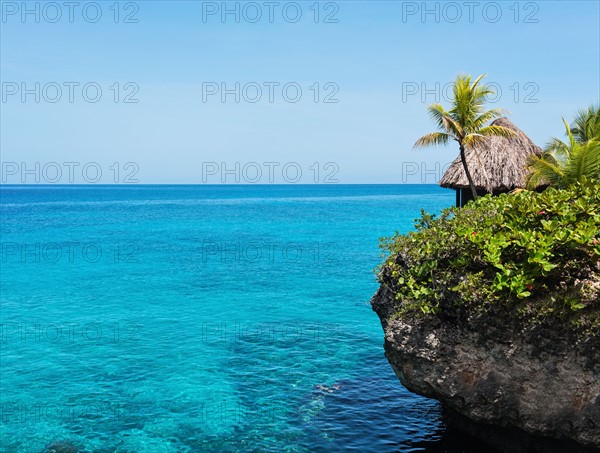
565, 163
536, 252
586, 125
466, 122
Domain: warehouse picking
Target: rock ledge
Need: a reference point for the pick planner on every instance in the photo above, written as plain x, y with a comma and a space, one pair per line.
528, 388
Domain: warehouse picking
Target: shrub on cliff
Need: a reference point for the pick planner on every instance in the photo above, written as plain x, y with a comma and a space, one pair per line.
537, 252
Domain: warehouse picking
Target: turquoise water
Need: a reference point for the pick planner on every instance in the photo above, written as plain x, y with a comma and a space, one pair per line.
204, 318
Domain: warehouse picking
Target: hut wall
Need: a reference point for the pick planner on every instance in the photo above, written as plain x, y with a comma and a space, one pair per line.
463, 196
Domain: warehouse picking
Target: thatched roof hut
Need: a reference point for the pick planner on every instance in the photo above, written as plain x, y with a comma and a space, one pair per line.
497, 165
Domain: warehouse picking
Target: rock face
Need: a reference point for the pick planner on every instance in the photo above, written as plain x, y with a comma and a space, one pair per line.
521, 387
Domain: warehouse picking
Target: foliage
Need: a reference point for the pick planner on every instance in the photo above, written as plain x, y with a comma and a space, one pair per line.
515, 248
467, 121
565, 163
586, 125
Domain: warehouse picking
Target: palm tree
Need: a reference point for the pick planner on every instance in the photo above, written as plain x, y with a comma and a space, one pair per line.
566, 163
585, 127
467, 122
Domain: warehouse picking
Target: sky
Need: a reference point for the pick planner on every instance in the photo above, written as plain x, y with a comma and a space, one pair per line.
192, 92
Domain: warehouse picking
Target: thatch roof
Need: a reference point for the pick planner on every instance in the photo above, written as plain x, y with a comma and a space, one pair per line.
497, 165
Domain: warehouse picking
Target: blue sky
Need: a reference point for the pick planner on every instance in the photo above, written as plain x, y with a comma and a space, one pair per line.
543, 56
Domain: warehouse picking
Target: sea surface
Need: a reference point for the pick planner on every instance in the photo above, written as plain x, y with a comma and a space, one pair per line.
204, 318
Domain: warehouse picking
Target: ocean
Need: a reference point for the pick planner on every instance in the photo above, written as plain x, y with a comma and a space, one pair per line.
204, 318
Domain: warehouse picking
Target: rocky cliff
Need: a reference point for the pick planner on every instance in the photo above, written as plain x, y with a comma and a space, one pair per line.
523, 387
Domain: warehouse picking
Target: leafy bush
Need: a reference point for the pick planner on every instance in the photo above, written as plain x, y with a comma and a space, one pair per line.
525, 249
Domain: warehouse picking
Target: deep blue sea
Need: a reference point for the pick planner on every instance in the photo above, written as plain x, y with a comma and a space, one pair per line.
204, 318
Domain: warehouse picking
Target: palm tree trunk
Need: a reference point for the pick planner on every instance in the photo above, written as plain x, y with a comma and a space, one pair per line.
469, 178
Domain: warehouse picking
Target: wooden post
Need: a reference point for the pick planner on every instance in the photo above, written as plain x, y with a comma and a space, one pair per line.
465, 197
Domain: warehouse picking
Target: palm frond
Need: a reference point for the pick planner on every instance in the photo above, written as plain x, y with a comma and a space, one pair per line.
462, 103
544, 170
496, 131
437, 113
480, 96
479, 79
563, 164
453, 127
570, 136
583, 162
432, 139
557, 146
469, 102
472, 140
586, 124
488, 117
480, 93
